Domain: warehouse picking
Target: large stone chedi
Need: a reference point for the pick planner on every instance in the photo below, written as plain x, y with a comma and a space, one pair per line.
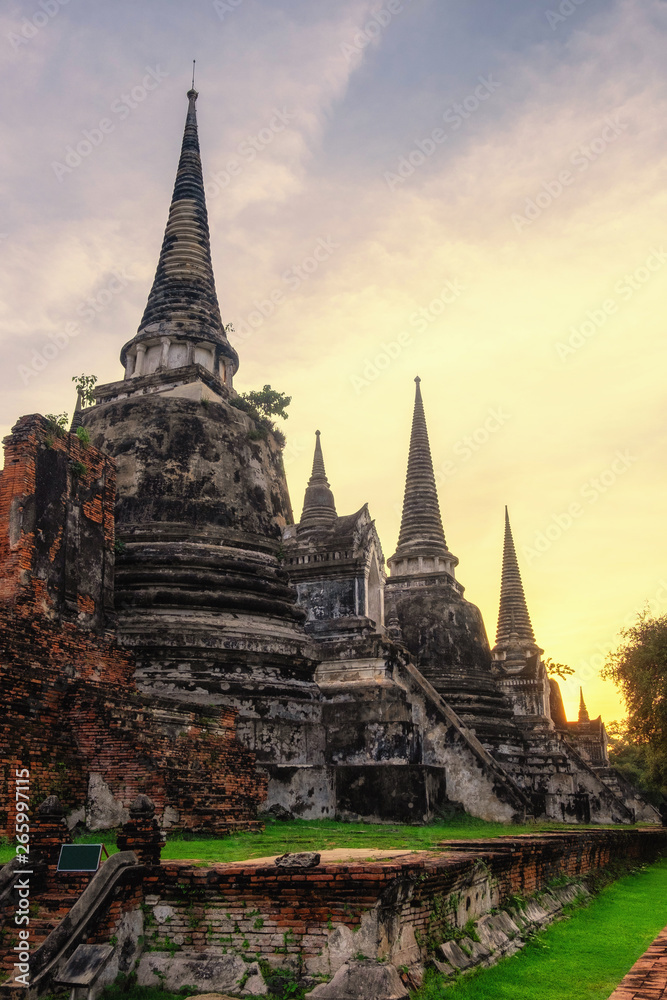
202, 501
360, 696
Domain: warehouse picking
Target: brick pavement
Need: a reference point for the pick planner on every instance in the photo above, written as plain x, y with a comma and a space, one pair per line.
647, 979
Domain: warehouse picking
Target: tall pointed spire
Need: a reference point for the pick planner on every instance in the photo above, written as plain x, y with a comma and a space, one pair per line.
583, 711
421, 542
513, 618
182, 308
421, 524
319, 508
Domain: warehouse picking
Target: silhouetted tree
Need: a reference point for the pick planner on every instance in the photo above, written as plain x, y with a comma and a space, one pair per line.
639, 669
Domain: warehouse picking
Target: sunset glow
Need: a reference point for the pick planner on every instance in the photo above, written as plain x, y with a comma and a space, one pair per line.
470, 194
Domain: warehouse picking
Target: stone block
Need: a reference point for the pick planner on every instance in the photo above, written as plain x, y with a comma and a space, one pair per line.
479, 954
399, 793
444, 968
455, 955
549, 902
203, 972
86, 964
535, 914
362, 979
506, 924
519, 918
255, 985
306, 859
492, 936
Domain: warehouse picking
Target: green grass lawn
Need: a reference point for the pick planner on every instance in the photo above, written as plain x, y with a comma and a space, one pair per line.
581, 958
321, 835
318, 835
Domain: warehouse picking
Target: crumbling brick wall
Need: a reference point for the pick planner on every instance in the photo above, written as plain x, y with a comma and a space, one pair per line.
303, 918
70, 706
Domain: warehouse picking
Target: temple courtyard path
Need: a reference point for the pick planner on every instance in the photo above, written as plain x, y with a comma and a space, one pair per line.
647, 979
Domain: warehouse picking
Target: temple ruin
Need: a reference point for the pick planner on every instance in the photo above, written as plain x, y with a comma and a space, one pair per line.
163, 608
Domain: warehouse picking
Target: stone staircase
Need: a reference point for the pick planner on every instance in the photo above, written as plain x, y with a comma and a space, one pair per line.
46, 913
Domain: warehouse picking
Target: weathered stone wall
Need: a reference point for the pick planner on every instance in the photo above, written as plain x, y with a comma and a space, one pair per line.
184, 462
203, 924
380, 712
57, 523
73, 715
442, 630
395, 910
204, 601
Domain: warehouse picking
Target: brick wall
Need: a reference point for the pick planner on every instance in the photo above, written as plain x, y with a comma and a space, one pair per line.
388, 910
314, 920
71, 706
57, 499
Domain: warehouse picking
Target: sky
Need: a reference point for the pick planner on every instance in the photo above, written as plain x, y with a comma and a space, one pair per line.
463, 190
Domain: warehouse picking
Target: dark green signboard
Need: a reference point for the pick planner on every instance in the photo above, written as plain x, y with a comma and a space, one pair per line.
79, 857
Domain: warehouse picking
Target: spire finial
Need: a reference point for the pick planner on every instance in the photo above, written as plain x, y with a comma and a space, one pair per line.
513, 618
193, 74
182, 308
319, 507
421, 524
583, 711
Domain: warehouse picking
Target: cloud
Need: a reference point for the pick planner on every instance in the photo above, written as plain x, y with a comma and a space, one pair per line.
321, 177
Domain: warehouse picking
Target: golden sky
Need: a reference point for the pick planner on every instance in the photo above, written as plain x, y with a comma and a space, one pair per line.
468, 192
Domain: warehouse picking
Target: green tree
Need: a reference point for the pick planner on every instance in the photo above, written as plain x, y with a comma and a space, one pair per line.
639, 669
261, 405
58, 422
85, 386
633, 760
268, 401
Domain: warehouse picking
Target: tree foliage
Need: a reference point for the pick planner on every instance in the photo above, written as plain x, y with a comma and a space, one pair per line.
269, 402
558, 669
261, 405
85, 385
58, 423
639, 669
635, 761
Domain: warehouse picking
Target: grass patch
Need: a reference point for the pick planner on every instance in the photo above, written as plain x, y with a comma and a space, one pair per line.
581, 958
106, 837
317, 835
321, 835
